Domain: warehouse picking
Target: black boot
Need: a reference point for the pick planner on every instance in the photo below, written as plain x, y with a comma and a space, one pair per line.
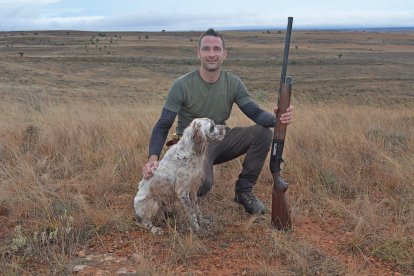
251, 204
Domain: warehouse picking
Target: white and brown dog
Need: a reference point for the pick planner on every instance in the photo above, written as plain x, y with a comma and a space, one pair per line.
179, 174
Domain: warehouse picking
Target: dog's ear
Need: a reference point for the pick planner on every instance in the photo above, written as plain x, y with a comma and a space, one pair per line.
200, 141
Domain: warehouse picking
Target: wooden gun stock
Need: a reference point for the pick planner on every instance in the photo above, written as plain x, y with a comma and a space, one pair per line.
281, 219
280, 209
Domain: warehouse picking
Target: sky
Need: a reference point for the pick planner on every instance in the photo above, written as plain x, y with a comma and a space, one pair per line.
187, 15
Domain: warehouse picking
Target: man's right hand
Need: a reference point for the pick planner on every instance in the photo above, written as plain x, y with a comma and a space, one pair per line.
150, 166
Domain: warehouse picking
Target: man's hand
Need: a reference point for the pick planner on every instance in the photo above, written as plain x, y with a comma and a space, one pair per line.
286, 118
150, 166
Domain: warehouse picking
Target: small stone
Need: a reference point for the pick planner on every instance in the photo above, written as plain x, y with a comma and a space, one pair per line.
78, 268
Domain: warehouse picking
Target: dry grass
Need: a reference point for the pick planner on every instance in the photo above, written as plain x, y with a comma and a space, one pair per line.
355, 163
69, 165
73, 169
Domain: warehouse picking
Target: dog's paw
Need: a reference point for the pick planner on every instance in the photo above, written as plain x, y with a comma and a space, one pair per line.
157, 231
148, 226
195, 227
205, 222
203, 231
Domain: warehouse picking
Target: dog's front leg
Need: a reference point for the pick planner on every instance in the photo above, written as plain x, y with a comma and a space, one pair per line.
194, 203
189, 207
202, 222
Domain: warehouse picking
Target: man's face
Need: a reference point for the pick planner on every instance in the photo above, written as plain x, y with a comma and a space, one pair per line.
211, 53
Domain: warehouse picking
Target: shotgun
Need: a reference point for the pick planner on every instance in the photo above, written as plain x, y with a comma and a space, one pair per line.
281, 219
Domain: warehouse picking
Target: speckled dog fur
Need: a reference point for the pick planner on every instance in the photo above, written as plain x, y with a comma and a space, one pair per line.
179, 174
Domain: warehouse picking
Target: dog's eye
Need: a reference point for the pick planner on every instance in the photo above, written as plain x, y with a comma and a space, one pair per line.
212, 128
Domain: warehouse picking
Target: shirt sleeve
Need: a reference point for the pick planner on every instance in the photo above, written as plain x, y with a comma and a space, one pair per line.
242, 95
160, 132
258, 115
175, 97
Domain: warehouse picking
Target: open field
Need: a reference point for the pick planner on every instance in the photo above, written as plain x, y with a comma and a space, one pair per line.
76, 112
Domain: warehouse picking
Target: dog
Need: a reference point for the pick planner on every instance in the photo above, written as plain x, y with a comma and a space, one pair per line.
179, 175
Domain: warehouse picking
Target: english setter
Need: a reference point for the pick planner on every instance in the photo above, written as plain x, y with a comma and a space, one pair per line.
179, 174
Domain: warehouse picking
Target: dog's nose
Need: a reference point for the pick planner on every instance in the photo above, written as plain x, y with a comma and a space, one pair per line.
222, 130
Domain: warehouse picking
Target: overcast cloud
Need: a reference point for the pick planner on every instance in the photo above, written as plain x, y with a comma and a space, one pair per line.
191, 15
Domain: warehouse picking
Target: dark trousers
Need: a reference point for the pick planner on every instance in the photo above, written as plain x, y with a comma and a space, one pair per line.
254, 141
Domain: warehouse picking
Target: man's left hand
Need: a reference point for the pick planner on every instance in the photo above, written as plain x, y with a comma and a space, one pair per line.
286, 118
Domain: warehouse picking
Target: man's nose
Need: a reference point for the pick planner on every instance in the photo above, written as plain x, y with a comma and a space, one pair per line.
211, 52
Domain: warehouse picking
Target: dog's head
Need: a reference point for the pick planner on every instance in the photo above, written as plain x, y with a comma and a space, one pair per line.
207, 129
201, 130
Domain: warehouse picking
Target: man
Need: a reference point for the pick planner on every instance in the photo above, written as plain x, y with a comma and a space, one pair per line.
211, 92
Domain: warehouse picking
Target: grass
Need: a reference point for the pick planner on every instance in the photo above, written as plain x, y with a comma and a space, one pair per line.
73, 143
75, 166
303, 259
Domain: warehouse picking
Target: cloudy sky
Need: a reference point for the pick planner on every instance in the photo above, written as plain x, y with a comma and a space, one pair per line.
155, 15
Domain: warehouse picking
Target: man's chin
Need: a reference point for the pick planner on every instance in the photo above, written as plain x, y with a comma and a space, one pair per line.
212, 68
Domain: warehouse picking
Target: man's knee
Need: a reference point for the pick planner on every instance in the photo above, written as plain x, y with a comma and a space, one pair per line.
263, 134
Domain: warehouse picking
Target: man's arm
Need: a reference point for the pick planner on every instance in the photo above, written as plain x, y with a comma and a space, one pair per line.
264, 118
157, 140
160, 132
258, 115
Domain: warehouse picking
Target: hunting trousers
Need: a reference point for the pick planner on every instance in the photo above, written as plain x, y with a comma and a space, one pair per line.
254, 141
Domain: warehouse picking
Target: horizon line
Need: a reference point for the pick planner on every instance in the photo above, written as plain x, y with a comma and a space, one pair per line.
224, 29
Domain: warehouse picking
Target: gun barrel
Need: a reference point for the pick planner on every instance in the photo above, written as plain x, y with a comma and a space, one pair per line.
286, 51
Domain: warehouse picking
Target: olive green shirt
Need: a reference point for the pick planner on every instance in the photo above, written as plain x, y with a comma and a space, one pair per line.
191, 97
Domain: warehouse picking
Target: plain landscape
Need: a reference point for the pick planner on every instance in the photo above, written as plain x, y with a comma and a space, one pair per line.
77, 110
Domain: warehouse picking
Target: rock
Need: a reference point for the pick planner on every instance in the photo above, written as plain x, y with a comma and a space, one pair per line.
78, 268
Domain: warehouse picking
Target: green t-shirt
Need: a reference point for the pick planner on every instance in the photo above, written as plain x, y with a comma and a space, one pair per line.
191, 97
